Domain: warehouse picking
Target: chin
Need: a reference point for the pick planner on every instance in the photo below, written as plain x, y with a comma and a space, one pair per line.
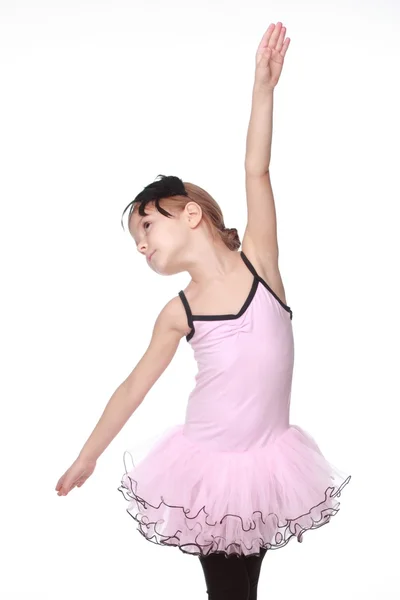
163, 268
156, 265
163, 263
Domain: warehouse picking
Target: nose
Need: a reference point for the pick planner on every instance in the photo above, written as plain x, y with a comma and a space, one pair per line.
142, 248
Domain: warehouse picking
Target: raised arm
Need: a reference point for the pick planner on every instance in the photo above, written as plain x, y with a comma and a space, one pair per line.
261, 229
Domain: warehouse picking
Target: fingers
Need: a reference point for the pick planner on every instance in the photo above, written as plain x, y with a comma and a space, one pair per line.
66, 486
266, 37
274, 38
276, 33
75, 476
279, 42
60, 483
285, 47
65, 490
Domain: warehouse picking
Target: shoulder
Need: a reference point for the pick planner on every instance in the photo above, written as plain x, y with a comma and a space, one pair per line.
173, 317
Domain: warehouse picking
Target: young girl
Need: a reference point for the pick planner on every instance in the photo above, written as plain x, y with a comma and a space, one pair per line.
236, 478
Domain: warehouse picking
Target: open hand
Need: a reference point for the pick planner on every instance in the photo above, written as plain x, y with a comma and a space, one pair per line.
76, 475
270, 56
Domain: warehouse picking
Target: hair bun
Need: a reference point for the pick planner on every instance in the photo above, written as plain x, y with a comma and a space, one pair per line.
232, 237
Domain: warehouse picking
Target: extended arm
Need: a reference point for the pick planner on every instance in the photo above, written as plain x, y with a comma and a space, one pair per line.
130, 394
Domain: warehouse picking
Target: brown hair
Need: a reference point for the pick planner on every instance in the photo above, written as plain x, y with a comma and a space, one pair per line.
174, 193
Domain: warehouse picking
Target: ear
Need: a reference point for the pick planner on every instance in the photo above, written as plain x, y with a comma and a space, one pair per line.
193, 214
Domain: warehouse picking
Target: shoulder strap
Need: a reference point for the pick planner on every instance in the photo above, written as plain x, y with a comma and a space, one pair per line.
185, 303
252, 269
188, 311
248, 263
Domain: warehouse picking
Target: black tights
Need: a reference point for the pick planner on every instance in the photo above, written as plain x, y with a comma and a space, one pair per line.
232, 577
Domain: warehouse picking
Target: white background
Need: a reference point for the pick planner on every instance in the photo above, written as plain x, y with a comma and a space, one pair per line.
97, 99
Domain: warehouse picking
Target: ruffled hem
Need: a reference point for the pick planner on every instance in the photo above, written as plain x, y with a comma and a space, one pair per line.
213, 530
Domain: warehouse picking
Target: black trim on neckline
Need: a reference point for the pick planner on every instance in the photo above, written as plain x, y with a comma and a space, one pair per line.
246, 304
256, 280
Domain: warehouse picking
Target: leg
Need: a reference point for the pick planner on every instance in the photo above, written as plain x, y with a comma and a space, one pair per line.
226, 577
253, 566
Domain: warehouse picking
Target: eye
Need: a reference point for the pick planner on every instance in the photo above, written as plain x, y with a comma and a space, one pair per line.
146, 223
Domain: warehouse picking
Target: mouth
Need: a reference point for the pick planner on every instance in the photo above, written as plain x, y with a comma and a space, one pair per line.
150, 255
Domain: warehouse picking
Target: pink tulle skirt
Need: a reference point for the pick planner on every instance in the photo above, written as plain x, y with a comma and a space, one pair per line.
202, 501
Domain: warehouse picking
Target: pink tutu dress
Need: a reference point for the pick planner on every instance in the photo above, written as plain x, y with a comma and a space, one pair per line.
236, 476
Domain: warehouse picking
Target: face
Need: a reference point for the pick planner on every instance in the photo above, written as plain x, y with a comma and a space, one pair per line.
160, 239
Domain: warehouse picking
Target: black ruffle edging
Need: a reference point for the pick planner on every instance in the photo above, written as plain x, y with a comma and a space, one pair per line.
146, 529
